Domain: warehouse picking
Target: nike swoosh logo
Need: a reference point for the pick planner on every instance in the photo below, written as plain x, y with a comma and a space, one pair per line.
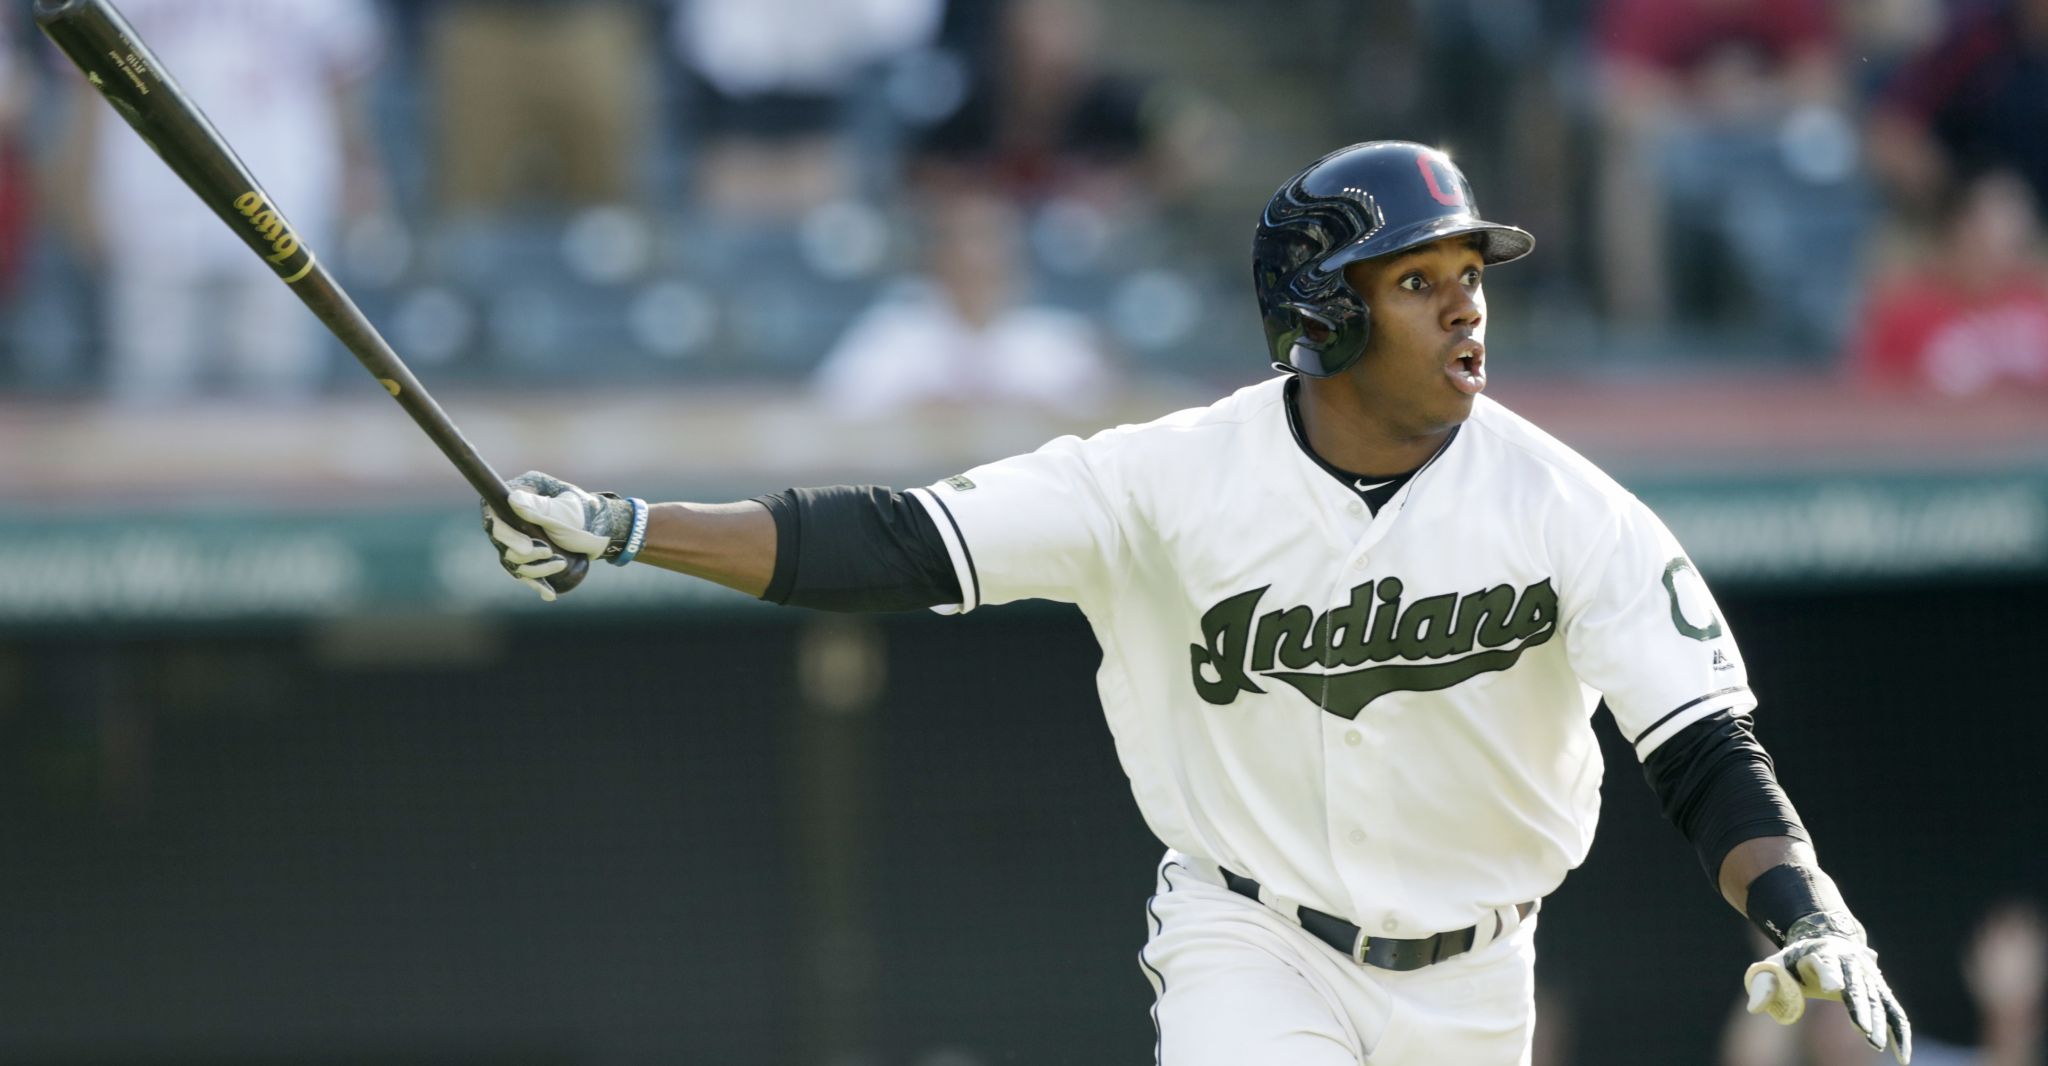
1346, 694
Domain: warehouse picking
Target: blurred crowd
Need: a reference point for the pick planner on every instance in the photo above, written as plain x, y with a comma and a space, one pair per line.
907, 202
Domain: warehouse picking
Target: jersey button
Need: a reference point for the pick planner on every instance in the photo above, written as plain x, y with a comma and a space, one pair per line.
1358, 836
1355, 507
1352, 738
1388, 924
1359, 563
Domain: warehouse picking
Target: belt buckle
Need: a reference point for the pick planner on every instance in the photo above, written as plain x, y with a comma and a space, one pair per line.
1364, 945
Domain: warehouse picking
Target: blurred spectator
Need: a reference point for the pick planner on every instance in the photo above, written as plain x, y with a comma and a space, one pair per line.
14, 87
1374, 57
2003, 968
1974, 315
1045, 120
1977, 100
775, 80
1726, 147
963, 333
281, 79
539, 101
1488, 84
1883, 34
2006, 971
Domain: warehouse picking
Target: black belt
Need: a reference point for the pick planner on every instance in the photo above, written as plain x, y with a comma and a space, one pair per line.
1384, 952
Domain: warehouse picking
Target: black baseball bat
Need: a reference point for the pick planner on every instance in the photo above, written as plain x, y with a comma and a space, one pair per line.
115, 60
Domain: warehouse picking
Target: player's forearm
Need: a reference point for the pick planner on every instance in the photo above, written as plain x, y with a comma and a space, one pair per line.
1718, 788
732, 544
843, 548
1748, 860
1777, 883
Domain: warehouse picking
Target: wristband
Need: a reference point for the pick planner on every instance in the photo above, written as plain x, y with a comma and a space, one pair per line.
1791, 902
637, 537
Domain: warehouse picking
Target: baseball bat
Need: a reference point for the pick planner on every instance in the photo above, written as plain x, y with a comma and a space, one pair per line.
117, 63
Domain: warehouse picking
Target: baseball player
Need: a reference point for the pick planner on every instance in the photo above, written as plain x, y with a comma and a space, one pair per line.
1355, 621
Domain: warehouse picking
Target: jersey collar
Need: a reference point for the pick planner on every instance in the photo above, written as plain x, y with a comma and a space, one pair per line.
1375, 491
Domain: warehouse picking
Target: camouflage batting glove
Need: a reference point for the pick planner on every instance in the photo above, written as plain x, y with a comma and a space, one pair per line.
1825, 957
595, 525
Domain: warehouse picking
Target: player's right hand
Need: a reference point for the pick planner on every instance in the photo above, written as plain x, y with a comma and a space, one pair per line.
569, 518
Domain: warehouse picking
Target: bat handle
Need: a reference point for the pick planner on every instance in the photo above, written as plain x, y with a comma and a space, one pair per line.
578, 569
579, 564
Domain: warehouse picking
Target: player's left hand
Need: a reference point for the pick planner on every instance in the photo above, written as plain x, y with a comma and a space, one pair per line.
571, 520
1831, 965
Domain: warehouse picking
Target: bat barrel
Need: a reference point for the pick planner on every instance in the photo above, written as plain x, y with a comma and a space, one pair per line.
101, 43
94, 36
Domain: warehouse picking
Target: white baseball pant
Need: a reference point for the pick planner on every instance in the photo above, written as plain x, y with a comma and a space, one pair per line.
1236, 982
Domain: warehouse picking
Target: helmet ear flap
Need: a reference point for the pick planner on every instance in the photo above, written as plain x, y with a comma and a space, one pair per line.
1323, 348
1315, 328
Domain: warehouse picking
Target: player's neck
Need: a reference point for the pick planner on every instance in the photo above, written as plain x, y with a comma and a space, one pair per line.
1349, 434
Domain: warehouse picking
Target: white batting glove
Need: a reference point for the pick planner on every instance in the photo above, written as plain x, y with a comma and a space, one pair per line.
571, 519
1820, 961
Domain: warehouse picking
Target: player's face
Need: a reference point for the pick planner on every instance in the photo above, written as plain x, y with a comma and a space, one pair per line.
1427, 356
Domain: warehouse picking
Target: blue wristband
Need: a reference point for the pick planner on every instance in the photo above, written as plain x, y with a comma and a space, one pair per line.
635, 539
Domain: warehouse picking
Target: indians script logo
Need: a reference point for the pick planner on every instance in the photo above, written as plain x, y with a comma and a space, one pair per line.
1442, 640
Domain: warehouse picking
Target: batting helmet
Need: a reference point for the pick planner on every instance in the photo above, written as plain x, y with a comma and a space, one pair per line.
1356, 203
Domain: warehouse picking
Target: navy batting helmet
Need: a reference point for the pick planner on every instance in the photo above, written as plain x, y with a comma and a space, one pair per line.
1356, 203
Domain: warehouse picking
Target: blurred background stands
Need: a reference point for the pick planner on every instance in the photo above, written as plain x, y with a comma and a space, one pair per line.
638, 191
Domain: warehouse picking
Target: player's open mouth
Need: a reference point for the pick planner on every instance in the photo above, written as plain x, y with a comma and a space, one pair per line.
1467, 367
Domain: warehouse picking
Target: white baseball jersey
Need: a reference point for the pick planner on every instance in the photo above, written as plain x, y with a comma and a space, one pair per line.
1382, 716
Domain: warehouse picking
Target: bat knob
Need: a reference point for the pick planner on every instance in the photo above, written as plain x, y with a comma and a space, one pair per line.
52, 8
578, 569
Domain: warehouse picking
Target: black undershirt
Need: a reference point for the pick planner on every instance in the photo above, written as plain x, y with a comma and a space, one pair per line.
1717, 786
857, 548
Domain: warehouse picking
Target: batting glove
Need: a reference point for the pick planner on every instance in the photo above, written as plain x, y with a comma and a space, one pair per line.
594, 525
1825, 960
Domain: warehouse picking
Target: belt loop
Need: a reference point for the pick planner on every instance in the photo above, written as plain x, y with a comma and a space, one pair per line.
1517, 915
1482, 936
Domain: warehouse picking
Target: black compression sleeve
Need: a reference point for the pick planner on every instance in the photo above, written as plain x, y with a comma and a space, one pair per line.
782, 507
857, 548
1717, 785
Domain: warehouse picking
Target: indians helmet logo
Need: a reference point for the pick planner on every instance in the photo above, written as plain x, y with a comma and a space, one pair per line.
1454, 196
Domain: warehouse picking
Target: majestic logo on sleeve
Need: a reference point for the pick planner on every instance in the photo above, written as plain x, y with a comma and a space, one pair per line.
1441, 640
